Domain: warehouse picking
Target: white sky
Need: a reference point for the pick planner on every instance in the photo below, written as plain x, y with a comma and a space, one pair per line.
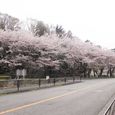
87, 19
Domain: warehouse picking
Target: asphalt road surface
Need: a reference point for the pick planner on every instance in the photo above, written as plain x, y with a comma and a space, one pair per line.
85, 98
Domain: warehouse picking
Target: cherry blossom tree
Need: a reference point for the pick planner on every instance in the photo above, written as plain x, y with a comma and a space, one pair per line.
48, 54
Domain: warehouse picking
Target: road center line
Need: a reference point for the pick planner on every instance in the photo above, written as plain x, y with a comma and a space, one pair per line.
42, 101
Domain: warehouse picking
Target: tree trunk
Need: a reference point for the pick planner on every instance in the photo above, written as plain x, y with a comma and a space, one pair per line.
89, 73
101, 72
112, 71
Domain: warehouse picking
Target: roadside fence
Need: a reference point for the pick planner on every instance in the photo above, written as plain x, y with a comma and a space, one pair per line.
19, 85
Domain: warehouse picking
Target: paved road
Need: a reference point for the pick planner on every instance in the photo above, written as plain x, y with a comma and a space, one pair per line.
86, 98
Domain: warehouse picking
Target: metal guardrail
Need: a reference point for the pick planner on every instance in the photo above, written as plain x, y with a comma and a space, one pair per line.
111, 109
18, 85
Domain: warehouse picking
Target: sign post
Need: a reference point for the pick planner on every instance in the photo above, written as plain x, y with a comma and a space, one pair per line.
24, 73
47, 77
18, 73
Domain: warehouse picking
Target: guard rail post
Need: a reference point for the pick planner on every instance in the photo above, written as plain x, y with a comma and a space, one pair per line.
73, 79
54, 81
18, 85
65, 80
39, 82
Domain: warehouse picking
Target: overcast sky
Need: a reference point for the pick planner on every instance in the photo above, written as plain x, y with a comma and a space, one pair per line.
87, 19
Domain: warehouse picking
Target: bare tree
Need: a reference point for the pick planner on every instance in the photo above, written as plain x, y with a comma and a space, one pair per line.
38, 28
8, 22
59, 31
69, 34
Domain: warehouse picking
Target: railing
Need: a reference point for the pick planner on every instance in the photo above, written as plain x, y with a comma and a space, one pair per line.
16, 85
111, 109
